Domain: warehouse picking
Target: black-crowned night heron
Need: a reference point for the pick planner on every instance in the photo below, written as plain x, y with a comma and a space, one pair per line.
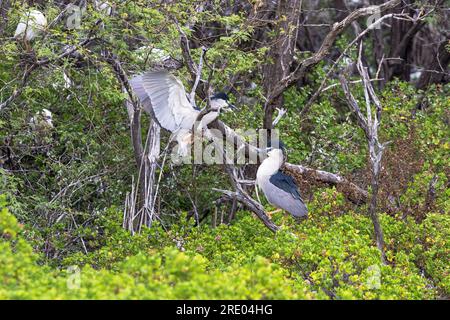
279, 188
41, 125
103, 7
31, 24
163, 96
42, 119
66, 82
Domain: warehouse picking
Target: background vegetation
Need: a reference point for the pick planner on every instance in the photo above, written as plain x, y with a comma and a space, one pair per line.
62, 190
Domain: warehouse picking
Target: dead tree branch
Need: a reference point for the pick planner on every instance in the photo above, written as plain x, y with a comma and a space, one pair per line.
244, 198
198, 75
369, 123
324, 49
141, 211
352, 192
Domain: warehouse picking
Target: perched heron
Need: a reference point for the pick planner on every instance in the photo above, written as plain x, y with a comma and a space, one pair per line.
103, 7
280, 189
41, 125
67, 81
31, 24
42, 119
163, 96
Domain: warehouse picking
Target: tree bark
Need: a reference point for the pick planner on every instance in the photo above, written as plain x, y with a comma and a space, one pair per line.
436, 71
369, 123
281, 54
351, 191
379, 237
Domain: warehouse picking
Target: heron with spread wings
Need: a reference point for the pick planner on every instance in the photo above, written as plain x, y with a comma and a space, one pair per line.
163, 96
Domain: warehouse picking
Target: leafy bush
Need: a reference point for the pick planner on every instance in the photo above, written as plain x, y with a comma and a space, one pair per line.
320, 258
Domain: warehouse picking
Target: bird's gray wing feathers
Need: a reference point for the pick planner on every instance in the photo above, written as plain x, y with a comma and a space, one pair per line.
164, 97
136, 84
286, 183
282, 192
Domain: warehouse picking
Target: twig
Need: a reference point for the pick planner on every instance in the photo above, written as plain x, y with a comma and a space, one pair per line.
331, 86
186, 51
281, 113
198, 76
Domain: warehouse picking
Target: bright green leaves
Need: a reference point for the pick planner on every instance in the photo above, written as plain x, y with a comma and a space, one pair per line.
9, 227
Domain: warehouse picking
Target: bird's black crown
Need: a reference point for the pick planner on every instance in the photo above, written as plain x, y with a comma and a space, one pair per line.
220, 95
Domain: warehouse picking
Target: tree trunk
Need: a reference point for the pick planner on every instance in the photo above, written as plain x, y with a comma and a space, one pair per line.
281, 54
374, 215
435, 71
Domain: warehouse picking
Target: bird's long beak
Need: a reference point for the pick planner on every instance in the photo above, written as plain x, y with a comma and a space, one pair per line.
231, 107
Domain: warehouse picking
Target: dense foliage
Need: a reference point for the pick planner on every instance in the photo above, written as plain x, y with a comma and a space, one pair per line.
62, 190
322, 258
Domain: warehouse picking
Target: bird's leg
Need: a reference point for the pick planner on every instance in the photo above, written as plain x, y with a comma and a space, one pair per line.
27, 46
270, 213
184, 140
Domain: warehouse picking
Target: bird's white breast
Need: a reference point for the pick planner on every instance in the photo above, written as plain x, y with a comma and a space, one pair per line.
268, 167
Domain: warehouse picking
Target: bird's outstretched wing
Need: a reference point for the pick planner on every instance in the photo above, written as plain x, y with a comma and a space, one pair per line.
164, 97
286, 183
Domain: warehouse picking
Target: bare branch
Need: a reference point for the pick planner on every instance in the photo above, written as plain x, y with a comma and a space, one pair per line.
324, 49
281, 113
370, 124
197, 76
186, 51
252, 205
352, 192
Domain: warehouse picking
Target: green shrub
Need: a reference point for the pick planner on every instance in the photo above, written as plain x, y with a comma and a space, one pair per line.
436, 257
147, 274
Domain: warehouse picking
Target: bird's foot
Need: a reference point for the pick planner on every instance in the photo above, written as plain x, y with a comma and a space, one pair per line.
270, 213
